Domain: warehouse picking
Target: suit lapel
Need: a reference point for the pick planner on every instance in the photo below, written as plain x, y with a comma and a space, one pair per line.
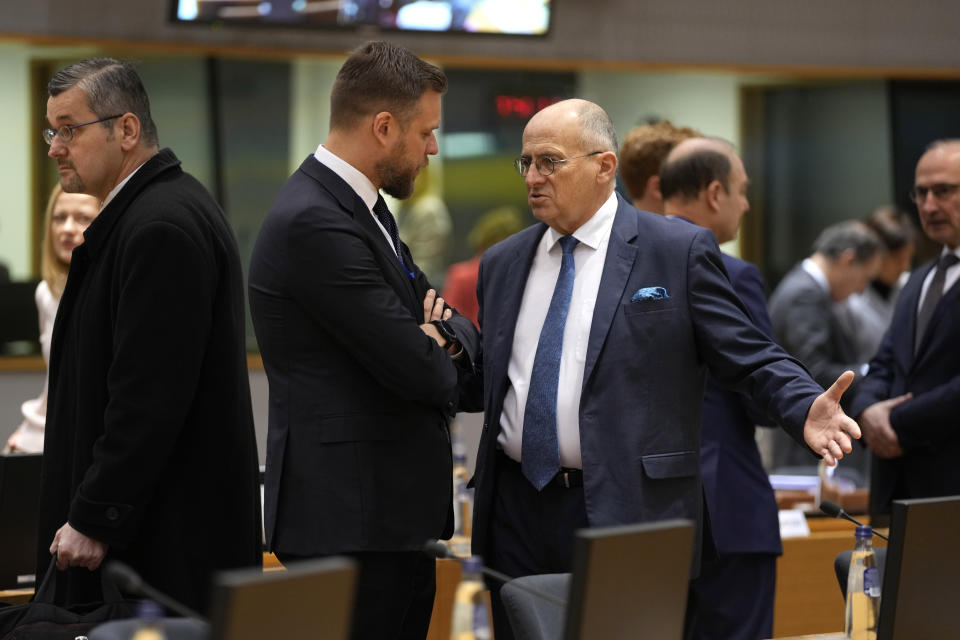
353, 205
950, 298
621, 254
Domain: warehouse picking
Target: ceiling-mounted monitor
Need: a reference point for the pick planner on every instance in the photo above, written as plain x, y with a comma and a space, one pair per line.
513, 17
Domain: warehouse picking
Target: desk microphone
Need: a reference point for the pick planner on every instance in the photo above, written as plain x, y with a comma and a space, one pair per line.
129, 581
834, 510
437, 549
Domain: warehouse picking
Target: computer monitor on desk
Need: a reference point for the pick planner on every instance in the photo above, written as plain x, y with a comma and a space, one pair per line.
310, 599
921, 583
19, 504
630, 581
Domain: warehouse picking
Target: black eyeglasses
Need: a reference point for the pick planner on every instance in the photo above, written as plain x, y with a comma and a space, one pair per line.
544, 164
66, 131
940, 191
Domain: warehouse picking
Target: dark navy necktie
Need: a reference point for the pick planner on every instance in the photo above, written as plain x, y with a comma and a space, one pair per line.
383, 214
540, 452
934, 294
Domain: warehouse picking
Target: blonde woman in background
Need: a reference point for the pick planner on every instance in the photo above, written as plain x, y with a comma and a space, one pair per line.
67, 217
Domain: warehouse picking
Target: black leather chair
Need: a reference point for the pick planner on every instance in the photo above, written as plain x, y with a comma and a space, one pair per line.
533, 617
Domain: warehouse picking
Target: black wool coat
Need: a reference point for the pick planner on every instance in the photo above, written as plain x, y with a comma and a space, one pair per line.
150, 444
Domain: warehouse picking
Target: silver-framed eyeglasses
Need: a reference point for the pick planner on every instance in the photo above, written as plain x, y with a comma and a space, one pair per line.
545, 164
66, 131
940, 191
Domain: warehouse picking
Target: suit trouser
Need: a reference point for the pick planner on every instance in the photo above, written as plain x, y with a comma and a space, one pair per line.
733, 598
531, 532
395, 593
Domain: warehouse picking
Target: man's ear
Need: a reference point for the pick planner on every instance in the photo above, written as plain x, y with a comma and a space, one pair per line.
713, 191
129, 131
652, 189
608, 167
385, 128
847, 258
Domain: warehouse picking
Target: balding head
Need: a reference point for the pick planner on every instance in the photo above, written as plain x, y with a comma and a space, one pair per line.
703, 180
570, 162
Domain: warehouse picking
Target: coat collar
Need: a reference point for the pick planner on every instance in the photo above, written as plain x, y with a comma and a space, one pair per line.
99, 230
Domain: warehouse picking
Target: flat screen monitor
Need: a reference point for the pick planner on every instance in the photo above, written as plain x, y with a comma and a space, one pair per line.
921, 582
512, 17
630, 581
310, 599
19, 505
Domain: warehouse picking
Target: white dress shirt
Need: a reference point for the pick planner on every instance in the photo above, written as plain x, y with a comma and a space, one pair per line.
589, 256
357, 181
950, 278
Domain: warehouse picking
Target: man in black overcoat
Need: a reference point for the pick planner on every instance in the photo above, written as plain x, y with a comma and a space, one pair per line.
150, 455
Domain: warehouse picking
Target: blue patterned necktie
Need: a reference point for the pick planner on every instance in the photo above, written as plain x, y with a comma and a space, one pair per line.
932, 299
383, 214
540, 452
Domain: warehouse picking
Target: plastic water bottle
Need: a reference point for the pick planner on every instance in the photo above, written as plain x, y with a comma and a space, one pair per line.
151, 626
462, 501
471, 617
863, 589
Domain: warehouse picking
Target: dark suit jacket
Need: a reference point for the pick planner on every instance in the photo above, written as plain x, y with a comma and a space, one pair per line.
927, 424
645, 368
743, 510
358, 449
150, 444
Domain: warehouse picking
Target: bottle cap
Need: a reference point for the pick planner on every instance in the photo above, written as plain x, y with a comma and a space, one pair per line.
149, 610
473, 564
864, 531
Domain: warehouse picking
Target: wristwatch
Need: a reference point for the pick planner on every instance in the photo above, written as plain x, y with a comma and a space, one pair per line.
446, 331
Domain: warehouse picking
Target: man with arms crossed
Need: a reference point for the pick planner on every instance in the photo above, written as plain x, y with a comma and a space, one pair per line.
363, 360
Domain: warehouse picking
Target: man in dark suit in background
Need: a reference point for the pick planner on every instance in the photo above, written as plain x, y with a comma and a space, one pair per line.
599, 326
909, 403
704, 182
362, 358
811, 324
150, 455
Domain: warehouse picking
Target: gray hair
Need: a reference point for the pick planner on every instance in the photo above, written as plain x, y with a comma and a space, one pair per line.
112, 87
596, 129
845, 236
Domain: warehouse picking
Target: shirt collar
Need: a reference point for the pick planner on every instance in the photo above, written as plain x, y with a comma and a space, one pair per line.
594, 231
351, 175
816, 273
113, 193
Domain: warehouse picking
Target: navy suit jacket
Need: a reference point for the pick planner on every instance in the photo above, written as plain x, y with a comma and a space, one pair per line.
645, 368
740, 500
926, 425
358, 445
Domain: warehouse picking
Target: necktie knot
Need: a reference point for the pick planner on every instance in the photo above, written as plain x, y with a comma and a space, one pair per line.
947, 260
568, 243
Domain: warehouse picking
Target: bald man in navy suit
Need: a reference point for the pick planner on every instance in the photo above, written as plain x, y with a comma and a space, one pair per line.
599, 326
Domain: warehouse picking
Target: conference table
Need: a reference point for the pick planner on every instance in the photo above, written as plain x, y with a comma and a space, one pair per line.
808, 600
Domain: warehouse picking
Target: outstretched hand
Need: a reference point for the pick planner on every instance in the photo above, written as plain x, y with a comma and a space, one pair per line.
828, 430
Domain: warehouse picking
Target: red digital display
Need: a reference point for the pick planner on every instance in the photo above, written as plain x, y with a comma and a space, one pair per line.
523, 107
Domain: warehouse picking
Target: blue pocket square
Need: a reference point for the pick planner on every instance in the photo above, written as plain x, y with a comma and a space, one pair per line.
650, 293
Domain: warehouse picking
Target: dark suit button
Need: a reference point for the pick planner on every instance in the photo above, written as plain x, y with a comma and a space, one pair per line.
450, 406
112, 513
